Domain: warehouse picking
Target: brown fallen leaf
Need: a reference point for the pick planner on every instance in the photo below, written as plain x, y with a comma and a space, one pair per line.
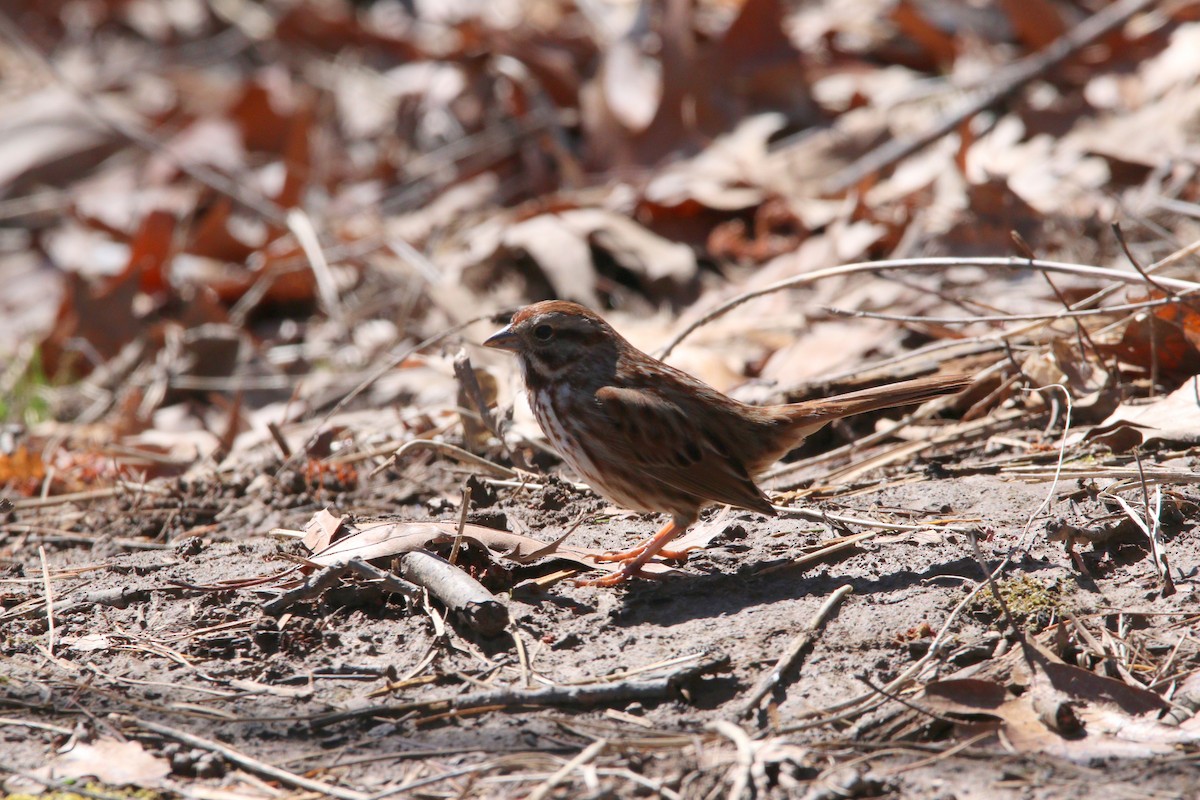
1065, 711
111, 762
386, 539
1174, 418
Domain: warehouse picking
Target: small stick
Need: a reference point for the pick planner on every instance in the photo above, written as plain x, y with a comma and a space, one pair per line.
843, 519
1007, 82
386, 579
449, 449
49, 600
1151, 333
301, 226
862, 678
461, 593
740, 785
522, 659
799, 644
1150, 526
384, 368
324, 578
280, 441
1120, 234
941, 262
462, 523
88, 494
995, 587
1058, 466
245, 761
1176, 298
594, 694
587, 755
465, 372
1080, 331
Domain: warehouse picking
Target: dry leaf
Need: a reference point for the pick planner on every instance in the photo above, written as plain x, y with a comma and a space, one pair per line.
1174, 418
385, 539
1065, 711
111, 762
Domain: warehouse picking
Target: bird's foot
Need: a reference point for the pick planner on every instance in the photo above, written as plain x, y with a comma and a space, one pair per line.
633, 552
618, 577
635, 558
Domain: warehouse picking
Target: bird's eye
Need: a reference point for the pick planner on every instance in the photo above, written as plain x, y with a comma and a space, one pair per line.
543, 333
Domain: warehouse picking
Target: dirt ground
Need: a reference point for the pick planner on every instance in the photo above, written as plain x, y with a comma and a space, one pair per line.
306, 690
219, 221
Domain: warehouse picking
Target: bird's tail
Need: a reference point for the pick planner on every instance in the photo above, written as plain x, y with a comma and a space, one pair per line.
904, 393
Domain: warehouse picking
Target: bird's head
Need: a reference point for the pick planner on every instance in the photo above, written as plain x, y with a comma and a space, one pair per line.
555, 338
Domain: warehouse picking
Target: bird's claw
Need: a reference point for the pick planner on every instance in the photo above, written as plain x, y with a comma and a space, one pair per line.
632, 553
619, 577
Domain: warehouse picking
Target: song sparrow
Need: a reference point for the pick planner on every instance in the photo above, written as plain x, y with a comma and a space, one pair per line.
653, 438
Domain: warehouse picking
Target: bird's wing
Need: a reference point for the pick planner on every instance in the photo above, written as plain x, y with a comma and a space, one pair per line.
666, 443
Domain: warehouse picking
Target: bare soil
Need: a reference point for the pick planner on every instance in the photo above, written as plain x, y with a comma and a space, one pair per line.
132, 642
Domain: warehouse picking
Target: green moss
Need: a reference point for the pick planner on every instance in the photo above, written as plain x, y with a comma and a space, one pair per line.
1028, 598
94, 790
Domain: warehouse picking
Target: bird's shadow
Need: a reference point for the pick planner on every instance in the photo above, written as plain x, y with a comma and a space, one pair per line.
691, 597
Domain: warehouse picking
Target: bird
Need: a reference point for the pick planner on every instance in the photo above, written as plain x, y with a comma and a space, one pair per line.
652, 438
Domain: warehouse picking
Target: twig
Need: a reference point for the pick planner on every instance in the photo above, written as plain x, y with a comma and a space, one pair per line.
449, 449
245, 761
593, 694
324, 578
1058, 466
119, 597
1153, 522
1151, 529
1133, 262
522, 659
1007, 262
387, 580
1175, 298
91, 494
49, 600
798, 645
841, 519
464, 509
386, 367
465, 372
895, 698
235, 190
1007, 82
741, 784
587, 755
991, 582
65, 786
848, 709
301, 226
462, 594
428, 781
280, 441
824, 551
945, 754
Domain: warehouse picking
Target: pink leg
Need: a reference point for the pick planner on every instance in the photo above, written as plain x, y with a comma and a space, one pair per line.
635, 557
642, 546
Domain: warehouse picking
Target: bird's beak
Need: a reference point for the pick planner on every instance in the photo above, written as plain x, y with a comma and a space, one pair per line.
503, 339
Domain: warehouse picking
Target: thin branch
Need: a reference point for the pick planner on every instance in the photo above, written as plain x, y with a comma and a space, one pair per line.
1049, 316
385, 368
246, 762
1003, 262
1008, 81
793, 652
592, 694
49, 600
586, 756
